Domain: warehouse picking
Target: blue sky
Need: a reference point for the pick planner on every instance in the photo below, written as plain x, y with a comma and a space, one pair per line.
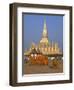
33, 28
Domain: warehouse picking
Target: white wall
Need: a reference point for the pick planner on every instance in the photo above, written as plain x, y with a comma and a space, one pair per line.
4, 46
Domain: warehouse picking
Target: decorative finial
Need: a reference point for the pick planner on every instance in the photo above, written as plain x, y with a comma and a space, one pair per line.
44, 23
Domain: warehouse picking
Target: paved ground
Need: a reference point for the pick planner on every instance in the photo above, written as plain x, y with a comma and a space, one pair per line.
36, 69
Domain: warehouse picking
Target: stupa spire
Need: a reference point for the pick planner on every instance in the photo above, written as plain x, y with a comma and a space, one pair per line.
45, 29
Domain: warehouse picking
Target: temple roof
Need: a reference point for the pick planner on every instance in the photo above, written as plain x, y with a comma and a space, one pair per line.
34, 51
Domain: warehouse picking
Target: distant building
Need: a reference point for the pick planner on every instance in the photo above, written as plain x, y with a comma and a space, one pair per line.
44, 46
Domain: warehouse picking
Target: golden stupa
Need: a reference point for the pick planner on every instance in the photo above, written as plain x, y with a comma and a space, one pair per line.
45, 47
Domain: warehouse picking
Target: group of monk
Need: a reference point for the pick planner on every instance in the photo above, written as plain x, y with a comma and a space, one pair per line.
39, 59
